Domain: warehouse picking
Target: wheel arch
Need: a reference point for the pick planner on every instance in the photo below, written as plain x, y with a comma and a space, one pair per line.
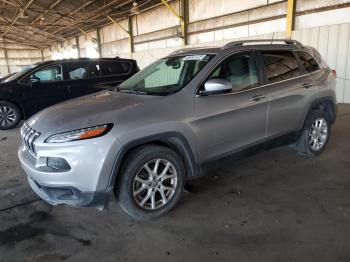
172, 140
326, 104
23, 116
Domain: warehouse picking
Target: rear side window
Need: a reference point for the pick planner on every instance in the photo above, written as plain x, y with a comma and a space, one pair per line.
82, 70
115, 68
280, 65
308, 62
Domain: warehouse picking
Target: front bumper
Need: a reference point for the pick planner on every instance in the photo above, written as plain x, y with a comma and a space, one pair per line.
85, 184
70, 196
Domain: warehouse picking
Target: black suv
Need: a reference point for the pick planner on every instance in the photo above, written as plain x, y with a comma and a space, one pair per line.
44, 84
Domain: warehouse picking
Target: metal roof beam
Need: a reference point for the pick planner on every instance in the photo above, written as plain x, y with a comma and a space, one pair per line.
17, 17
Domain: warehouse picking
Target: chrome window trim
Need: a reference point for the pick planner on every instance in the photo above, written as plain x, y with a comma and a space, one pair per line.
296, 77
264, 85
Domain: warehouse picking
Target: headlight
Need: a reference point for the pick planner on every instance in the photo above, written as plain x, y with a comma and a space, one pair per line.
80, 134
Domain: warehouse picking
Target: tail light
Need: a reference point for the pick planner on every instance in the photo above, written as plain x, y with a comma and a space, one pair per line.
334, 72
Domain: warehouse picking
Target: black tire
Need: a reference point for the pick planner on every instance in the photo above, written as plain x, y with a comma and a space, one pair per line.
6, 123
134, 165
302, 146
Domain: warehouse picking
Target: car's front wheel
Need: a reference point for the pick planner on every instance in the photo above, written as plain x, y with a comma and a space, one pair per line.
10, 115
151, 182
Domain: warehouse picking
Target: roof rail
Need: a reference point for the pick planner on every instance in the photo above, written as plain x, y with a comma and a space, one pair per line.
271, 41
189, 49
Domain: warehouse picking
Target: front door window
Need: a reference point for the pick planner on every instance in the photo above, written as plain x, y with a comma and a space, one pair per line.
47, 74
240, 70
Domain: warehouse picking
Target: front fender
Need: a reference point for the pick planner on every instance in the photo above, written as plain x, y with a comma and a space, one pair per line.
175, 140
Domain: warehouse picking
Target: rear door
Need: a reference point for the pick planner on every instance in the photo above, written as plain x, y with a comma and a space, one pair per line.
44, 87
82, 77
115, 72
289, 89
231, 121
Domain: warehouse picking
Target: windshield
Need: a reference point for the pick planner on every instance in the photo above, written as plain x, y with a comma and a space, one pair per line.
20, 73
166, 76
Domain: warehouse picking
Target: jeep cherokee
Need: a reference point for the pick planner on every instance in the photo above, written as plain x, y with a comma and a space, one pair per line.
142, 140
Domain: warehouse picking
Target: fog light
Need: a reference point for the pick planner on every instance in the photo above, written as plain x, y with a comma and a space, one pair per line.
58, 164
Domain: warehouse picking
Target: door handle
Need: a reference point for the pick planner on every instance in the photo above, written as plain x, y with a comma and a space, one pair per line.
306, 85
257, 97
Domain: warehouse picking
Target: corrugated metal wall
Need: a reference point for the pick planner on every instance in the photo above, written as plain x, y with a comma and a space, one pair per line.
216, 22
17, 58
333, 43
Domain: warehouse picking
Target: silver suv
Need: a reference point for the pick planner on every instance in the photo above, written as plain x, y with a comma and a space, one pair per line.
144, 139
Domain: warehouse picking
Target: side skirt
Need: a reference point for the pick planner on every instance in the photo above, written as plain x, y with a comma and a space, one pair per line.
241, 153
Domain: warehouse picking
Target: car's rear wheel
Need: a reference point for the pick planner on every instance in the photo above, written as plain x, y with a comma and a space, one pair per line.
10, 115
315, 134
151, 182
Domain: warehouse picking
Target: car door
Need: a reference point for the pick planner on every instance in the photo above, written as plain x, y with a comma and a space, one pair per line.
82, 77
43, 87
115, 72
289, 90
231, 121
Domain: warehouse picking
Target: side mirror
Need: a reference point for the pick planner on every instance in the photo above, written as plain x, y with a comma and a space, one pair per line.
34, 80
216, 86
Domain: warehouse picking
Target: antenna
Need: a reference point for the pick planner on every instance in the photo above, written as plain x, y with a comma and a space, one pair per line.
273, 37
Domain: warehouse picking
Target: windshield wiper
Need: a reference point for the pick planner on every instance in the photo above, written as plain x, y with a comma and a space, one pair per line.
114, 89
130, 91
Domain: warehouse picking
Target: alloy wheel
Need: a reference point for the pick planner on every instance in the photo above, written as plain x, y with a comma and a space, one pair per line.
155, 184
318, 134
7, 116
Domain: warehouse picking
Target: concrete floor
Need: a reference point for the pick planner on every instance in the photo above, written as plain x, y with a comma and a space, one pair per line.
272, 206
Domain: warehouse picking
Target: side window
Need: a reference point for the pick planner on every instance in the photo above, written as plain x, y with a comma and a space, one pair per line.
115, 68
308, 62
280, 65
240, 70
83, 70
48, 74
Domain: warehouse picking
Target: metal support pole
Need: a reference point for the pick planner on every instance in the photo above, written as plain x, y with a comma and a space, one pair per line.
99, 48
185, 17
290, 18
181, 20
129, 32
131, 36
42, 55
78, 45
7, 60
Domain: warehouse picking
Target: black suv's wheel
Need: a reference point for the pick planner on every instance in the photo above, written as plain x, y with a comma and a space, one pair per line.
315, 134
151, 182
10, 115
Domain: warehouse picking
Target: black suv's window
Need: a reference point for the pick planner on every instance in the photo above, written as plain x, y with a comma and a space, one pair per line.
48, 74
240, 70
115, 68
308, 62
280, 65
82, 70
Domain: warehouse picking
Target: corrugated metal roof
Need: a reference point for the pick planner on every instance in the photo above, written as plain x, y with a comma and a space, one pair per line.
41, 23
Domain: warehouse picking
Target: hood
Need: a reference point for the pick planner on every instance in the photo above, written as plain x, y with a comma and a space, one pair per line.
96, 109
5, 84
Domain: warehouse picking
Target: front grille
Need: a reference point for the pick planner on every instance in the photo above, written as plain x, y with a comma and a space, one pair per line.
29, 135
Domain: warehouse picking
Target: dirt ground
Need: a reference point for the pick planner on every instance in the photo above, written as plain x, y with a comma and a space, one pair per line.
271, 206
